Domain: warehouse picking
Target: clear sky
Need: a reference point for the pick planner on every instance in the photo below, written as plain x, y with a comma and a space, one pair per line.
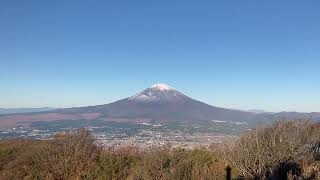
244, 54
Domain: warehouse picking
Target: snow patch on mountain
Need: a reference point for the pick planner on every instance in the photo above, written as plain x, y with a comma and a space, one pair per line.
160, 93
161, 86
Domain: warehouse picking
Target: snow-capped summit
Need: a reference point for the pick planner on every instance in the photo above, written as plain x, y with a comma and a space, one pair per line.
159, 93
161, 103
161, 86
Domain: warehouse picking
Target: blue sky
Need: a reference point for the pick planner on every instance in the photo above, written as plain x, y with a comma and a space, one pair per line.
234, 54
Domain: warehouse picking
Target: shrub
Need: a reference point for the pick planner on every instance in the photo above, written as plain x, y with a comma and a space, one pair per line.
114, 164
172, 163
261, 152
65, 156
282, 150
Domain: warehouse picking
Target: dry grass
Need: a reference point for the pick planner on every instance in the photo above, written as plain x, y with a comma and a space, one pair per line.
65, 156
285, 149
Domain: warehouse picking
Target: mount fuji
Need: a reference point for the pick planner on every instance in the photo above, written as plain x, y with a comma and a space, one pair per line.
161, 102
159, 93
158, 103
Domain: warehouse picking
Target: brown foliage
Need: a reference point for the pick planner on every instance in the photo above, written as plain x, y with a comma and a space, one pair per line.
65, 156
280, 151
158, 163
262, 151
166, 163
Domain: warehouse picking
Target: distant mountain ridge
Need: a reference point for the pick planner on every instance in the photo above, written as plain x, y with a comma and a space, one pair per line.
259, 111
159, 103
24, 110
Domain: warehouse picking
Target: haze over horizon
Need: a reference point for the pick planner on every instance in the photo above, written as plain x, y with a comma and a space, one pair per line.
240, 55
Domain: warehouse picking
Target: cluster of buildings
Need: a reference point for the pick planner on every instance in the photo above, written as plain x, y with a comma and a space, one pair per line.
142, 136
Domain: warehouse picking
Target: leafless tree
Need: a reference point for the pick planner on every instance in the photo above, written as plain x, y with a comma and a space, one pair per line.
261, 150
